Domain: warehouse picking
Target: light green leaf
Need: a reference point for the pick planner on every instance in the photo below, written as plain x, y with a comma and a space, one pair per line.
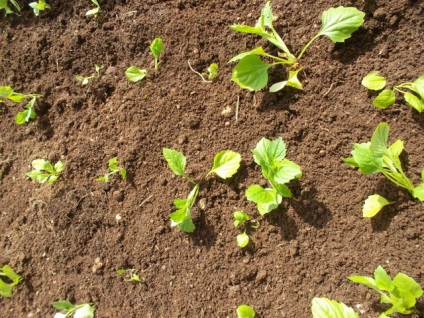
326, 308
242, 239
134, 74
293, 81
182, 217
38, 176
95, 10
419, 86
339, 23
385, 99
414, 101
59, 166
265, 199
404, 282
113, 164
84, 311
418, 192
213, 71
396, 148
225, 164
39, 164
63, 305
249, 29
257, 51
251, 73
245, 311
373, 81
156, 47
267, 151
364, 280
5, 289
287, 172
364, 159
373, 204
176, 161
379, 138
187, 226
382, 280
7, 92
240, 217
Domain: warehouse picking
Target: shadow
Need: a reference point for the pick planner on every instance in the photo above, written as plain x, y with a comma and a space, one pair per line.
43, 122
417, 117
288, 227
309, 209
204, 235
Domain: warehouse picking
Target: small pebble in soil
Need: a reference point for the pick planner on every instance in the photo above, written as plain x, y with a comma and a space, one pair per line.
97, 265
118, 195
202, 204
261, 276
226, 112
118, 218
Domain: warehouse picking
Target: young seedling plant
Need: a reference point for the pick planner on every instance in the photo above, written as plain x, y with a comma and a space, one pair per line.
251, 72
9, 273
156, 47
135, 74
113, 169
212, 72
95, 10
225, 165
241, 218
44, 171
7, 93
68, 310
271, 156
376, 156
131, 275
326, 308
7, 9
245, 311
401, 293
84, 80
38, 6
413, 92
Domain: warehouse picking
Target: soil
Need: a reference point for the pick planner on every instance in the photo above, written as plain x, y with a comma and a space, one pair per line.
53, 235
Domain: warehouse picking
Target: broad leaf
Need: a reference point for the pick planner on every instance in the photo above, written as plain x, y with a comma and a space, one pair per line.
326, 308
245, 311
225, 164
38, 176
267, 151
364, 159
242, 239
134, 74
364, 280
287, 172
240, 217
379, 138
382, 280
373, 204
373, 81
293, 81
339, 23
176, 161
265, 199
257, 51
404, 282
385, 99
419, 86
414, 101
63, 305
156, 47
418, 192
182, 217
251, 73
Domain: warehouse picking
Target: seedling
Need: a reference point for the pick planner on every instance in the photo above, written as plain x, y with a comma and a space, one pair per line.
241, 218
41, 5
95, 10
44, 171
376, 156
7, 93
156, 47
6, 288
326, 308
278, 170
131, 275
114, 168
26, 115
83, 79
98, 68
68, 310
8, 10
212, 72
373, 204
134, 74
225, 165
401, 293
413, 92
245, 311
251, 72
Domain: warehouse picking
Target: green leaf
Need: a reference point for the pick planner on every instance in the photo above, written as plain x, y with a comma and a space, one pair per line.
251, 73
8, 93
287, 172
418, 84
6, 289
63, 305
339, 23
418, 192
364, 159
379, 139
134, 74
293, 81
373, 81
245, 311
364, 280
156, 47
265, 199
373, 204
213, 71
385, 99
404, 282
240, 217
382, 280
414, 101
326, 308
59, 166
182, 217
95, 10
242, 239
113, 164
225, 164
396, 149
187, 226
267, 151
38, 176
257, 51
176, 161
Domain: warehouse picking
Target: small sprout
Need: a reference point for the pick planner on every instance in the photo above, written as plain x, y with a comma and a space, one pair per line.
373, 204
242, 239
414, 96
156, 47
241, 218
212, 72
326, 308
44, 171
130, 275
6, 288
401, 293
114, 168
41, 5
377, 156
97, 69
8, 10
6, 92
28, 114
245, 311
83, 79
134, 74
68, 310
95, 10
226, 164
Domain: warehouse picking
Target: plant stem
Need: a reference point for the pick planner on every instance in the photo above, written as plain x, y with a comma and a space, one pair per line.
307, 45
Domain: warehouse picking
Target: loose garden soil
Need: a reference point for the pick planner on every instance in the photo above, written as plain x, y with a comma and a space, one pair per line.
53, 234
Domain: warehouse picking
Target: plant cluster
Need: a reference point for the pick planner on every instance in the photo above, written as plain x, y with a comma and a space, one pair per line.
114, 168
7, 93
6, 288
44, 171
251, 72
241, 218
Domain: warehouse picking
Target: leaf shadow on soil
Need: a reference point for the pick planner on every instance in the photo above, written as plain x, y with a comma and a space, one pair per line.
287, 225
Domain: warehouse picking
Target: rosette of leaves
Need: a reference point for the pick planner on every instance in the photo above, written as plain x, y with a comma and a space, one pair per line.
44, 171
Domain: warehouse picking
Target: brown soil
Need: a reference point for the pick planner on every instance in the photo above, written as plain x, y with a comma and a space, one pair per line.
52, 234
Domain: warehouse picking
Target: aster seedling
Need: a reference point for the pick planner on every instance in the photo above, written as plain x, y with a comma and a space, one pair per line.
43, 171
8, 274
68, 310
114, 168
